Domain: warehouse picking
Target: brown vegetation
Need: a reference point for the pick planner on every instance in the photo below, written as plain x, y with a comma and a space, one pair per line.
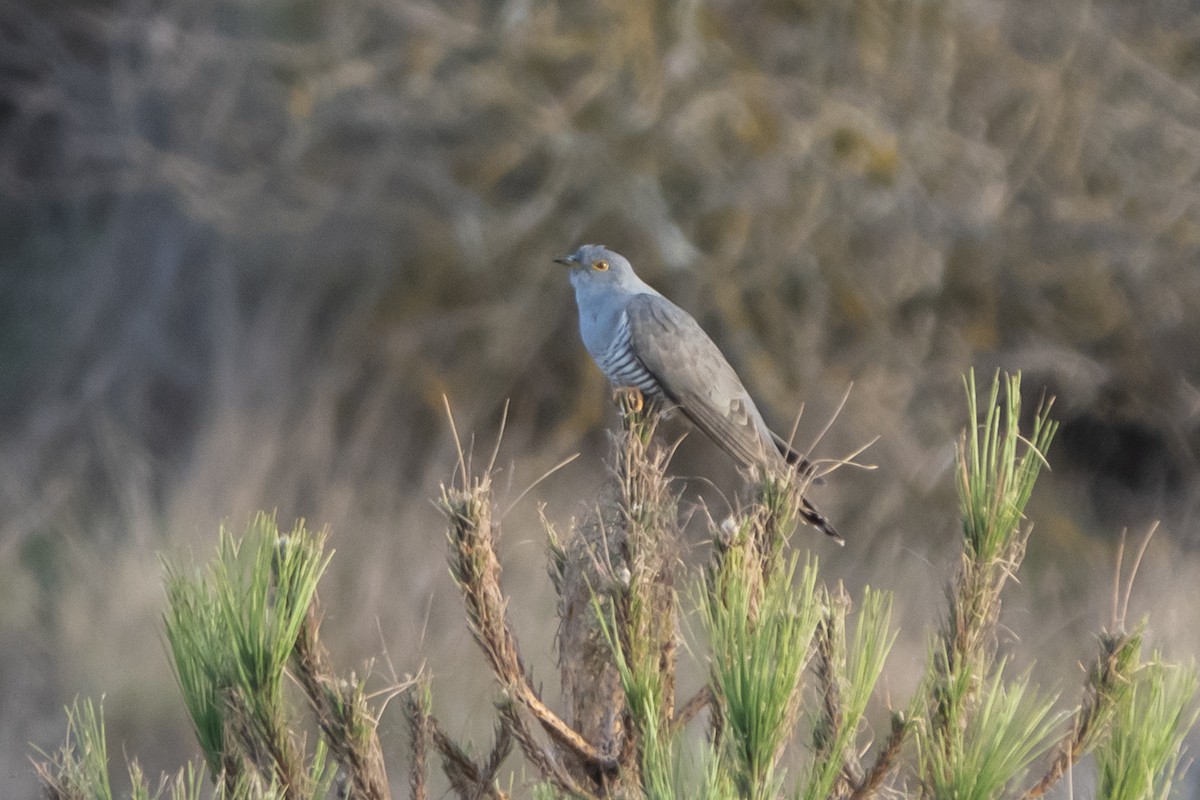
248, 247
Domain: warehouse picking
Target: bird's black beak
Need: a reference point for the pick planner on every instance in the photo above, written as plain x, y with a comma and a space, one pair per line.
568, 260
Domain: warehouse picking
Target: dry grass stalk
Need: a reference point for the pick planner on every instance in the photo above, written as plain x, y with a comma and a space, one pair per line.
1110, 674
829, 664
542, 759
584, 568
267, 747
350, 726
470, 780
622, 560
644, 604
618, 608
885, 759
476, 569
773, 515
969, 638
701, 700
52, 787
996, 469
416, 711
624, 566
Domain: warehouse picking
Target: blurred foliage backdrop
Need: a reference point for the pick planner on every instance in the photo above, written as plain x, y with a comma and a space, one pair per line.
247, 246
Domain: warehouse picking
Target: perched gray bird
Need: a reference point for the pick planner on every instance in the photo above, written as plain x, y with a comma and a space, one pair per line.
643, 341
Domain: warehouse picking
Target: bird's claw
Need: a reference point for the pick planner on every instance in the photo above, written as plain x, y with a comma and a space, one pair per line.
629, 399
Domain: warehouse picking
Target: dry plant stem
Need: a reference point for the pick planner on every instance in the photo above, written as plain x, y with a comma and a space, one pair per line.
268, 746
831, 701
416, 711
829, 663
975, 607
615, 580
1104, 678
688, 711
52, 787
885, 760
649, 511
968, 640
476, 569
644, 607
537, 755
583, 569
231, 770
1109, 673
471, 781
716, 724
347, 723
996, 469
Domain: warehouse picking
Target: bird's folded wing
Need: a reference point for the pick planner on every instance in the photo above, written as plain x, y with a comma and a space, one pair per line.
695, 376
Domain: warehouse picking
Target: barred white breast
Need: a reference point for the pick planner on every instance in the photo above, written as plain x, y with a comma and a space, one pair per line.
622, 367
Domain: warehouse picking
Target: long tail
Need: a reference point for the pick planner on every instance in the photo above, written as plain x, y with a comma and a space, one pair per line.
812, 515
794, 457
808, 512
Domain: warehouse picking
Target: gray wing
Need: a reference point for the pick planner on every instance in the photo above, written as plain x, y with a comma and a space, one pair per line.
695, 376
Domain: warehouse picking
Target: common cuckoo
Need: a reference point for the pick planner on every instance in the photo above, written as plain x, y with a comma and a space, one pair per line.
643, 341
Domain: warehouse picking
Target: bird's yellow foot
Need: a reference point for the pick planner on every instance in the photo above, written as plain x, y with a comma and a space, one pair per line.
629, 399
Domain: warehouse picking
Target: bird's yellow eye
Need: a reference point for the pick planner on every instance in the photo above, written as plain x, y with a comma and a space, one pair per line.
600, 266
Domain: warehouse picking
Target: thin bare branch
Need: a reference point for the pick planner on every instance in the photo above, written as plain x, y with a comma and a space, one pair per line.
1137, 562
538, 755
416, 711
695, 704
349, 725
885, 759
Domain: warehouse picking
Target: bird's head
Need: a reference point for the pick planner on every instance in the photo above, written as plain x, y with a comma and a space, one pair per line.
594, 265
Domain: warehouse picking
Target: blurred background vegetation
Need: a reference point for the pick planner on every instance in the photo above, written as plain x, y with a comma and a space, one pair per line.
247, 246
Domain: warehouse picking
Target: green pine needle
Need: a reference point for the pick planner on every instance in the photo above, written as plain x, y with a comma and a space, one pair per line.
856, 678
1012, 726
80, 767
637, 660
760, 644
1140, 758
231, 630
998, 468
